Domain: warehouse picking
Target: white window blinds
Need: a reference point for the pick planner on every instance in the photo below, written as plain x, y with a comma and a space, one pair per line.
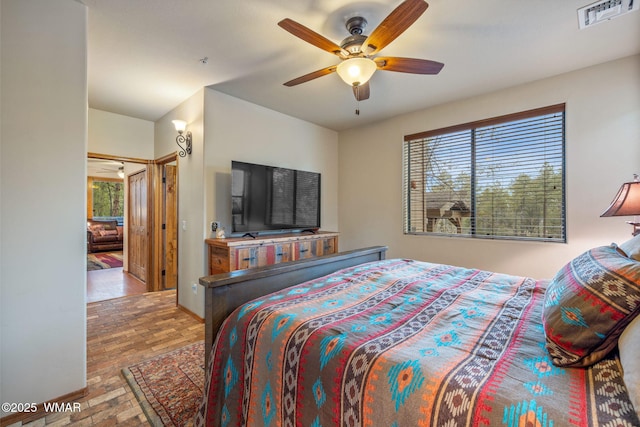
496, 178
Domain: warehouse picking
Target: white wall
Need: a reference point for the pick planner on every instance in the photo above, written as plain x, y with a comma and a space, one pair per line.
42, 217
124, 136
225, 128
119, 135
238, 130
190, 197
602, 152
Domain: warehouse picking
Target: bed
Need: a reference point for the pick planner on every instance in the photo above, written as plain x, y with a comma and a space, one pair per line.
355, 339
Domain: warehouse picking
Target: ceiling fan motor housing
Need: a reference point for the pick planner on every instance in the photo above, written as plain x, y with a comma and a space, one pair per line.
356, 25
353, 43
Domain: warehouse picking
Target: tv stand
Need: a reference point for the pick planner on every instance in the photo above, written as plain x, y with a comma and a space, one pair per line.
239, 253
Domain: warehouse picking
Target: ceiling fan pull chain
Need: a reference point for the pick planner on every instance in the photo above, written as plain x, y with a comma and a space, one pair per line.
357, 100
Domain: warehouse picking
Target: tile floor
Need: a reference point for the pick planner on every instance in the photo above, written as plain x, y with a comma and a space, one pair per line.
121, 332
112, 283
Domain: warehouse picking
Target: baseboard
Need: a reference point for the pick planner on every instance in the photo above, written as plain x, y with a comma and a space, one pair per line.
191, 313
39, 412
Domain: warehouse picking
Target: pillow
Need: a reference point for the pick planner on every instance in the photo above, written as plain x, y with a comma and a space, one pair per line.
588, 304
629, 346
108, 225
108, 232
632, 247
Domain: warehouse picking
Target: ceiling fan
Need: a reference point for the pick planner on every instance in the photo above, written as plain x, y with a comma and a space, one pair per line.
106, 167
358, 51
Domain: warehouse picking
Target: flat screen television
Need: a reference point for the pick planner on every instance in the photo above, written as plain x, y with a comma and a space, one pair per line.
268, 199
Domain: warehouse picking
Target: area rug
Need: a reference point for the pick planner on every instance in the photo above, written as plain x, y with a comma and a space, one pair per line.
99, 261
169, 387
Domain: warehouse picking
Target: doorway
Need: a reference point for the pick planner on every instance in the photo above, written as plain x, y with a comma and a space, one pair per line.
150, 230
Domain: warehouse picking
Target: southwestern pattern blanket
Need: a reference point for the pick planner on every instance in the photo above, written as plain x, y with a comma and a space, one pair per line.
403, 343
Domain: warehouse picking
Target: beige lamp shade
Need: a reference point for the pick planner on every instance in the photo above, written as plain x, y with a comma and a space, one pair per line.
626, 202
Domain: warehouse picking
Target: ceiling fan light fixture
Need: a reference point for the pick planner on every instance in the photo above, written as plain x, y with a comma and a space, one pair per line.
356, 71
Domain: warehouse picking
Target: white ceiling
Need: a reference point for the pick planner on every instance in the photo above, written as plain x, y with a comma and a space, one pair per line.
103, 168
144, 55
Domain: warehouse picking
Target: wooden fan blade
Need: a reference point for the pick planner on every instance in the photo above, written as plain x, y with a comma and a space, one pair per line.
408, 65
312, 37
393, 25
361, 92
311, 76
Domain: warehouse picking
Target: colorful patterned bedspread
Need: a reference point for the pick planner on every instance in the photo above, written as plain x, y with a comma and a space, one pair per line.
402, 343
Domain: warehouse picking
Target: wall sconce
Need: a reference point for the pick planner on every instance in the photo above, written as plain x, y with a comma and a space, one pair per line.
183, 139
627, 203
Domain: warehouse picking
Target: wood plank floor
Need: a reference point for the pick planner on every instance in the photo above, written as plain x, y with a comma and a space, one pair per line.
121, 332
112, 283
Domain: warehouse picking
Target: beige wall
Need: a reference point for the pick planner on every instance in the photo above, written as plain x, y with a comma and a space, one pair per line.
119, 135
602, 151
43, 199
190, 198
238, 130
226, 128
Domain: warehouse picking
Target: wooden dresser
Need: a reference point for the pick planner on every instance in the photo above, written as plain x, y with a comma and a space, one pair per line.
239, 253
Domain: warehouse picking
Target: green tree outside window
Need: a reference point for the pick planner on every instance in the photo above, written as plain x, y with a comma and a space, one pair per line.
108, 199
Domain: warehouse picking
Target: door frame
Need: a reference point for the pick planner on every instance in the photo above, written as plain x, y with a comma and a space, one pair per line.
157, 218
154, 212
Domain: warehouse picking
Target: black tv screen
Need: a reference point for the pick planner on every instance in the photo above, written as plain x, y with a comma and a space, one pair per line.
272, 199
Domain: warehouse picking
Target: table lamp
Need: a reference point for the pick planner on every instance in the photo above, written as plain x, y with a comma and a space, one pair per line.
627, 203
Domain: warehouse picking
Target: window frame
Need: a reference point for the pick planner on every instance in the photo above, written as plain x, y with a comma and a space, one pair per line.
91, 212
472, 126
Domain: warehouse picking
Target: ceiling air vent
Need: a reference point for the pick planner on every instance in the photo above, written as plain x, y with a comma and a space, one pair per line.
605, 10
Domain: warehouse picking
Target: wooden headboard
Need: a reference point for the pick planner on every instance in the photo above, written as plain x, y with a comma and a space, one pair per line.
225, 292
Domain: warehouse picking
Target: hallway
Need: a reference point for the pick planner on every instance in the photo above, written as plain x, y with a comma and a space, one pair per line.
112, 283
120, 333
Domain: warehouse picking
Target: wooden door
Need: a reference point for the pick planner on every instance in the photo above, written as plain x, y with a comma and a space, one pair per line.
170, 226
138, 235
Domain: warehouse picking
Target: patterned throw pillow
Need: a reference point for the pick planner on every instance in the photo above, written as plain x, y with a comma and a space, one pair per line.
588, 304
629, 346
96, 229
632, 247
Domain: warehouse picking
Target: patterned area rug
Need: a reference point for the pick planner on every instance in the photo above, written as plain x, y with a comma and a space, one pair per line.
102, 260
169, 387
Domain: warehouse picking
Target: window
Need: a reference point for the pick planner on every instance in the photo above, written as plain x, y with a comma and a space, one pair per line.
107, 199
496, 178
